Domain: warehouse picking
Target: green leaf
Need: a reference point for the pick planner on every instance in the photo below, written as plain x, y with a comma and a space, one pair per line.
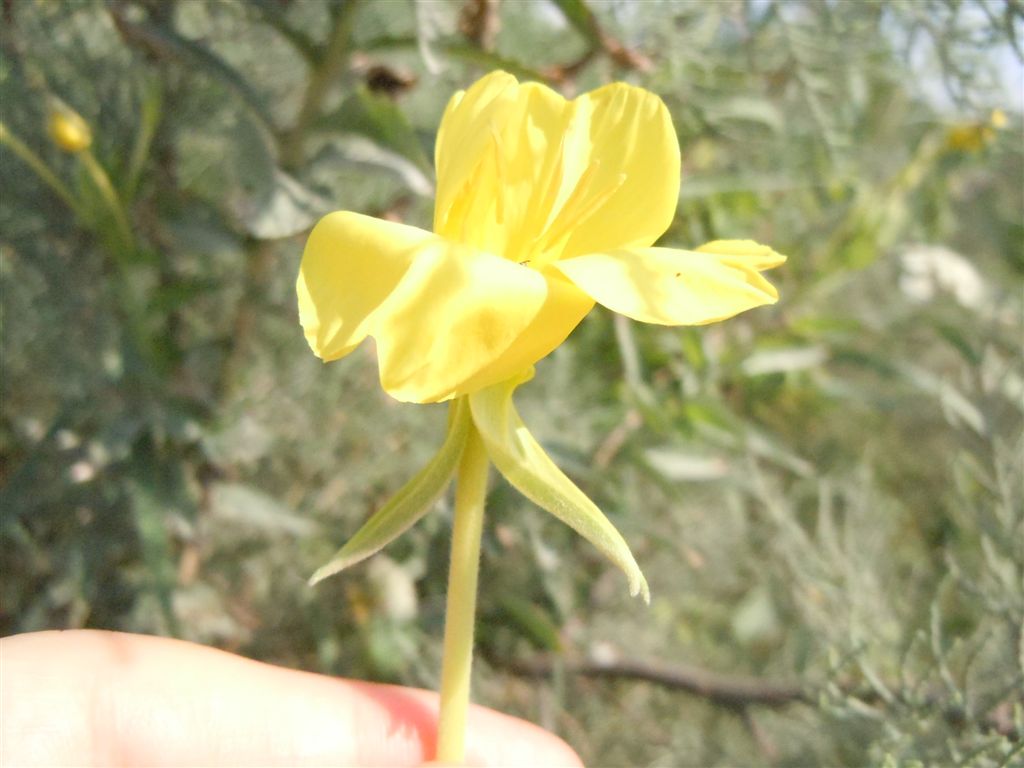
581, 17
748, 110
178, 293
166, 44
150, 113
268, 203
359, 152
379, 119
433, 22
520, 458
532, 621
281, 207
410, 503
273, 14
155, 494
247, 510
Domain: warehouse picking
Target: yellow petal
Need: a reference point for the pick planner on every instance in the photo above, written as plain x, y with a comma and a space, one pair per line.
351, 264
745, 253
447, 319
630, 136
527, 175
464, 135
674, 287
461, 320
499, 164
563, 309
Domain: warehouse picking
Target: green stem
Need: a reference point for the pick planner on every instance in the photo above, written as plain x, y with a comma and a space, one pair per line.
132, 315
150, 113
110, 196
331, 67
33, 161
460, 615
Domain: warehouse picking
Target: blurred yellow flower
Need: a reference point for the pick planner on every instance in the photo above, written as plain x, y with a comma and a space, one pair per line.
544, 206
68, 130
974, 136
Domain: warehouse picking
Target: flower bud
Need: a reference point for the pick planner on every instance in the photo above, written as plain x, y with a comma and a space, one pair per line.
68, 130
975, 136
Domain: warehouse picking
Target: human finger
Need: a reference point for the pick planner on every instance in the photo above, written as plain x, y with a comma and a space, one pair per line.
107, 698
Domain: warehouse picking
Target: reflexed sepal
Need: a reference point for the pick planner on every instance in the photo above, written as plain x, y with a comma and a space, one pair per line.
523, 462
407, 506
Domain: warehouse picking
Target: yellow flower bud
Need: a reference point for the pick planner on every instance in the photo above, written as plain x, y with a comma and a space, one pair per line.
974, 136
969, 137
68, 130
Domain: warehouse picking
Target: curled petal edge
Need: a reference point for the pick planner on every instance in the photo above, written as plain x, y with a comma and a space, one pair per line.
667, 286
447, 318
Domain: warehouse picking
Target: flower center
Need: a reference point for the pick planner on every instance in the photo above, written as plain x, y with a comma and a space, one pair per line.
583, 201
491, 212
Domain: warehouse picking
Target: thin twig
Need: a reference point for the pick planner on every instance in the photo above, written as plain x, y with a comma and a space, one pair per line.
599, 42
736, 692
479, 22
617, 438
730, 691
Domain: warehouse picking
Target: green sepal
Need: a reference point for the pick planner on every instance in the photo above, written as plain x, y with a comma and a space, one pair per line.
411, 502
519, 457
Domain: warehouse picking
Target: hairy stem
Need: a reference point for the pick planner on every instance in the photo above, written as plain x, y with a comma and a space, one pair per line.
460, 615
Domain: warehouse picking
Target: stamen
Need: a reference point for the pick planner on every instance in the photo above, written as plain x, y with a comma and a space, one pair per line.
475, 195
581, 204
549, 186
466, 203
459, 208
500, 171
537, 205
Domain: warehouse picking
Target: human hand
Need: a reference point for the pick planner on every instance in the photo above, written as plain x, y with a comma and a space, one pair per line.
108, 698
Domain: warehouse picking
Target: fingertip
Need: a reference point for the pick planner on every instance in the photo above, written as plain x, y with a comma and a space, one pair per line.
60, 687
497, 739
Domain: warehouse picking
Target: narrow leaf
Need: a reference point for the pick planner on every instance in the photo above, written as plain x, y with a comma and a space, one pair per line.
410, 503
165, 44
520, 458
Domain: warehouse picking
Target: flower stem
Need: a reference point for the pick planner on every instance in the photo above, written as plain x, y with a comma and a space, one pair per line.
102, 181
19, 148
470, 492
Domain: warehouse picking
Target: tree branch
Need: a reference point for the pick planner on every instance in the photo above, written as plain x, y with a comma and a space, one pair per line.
730, 691
736, 692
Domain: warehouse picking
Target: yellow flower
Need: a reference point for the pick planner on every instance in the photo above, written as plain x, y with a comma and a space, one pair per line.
68, 130
544, 206
972, 137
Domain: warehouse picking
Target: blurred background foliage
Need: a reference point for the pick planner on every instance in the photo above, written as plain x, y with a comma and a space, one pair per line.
825, 495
